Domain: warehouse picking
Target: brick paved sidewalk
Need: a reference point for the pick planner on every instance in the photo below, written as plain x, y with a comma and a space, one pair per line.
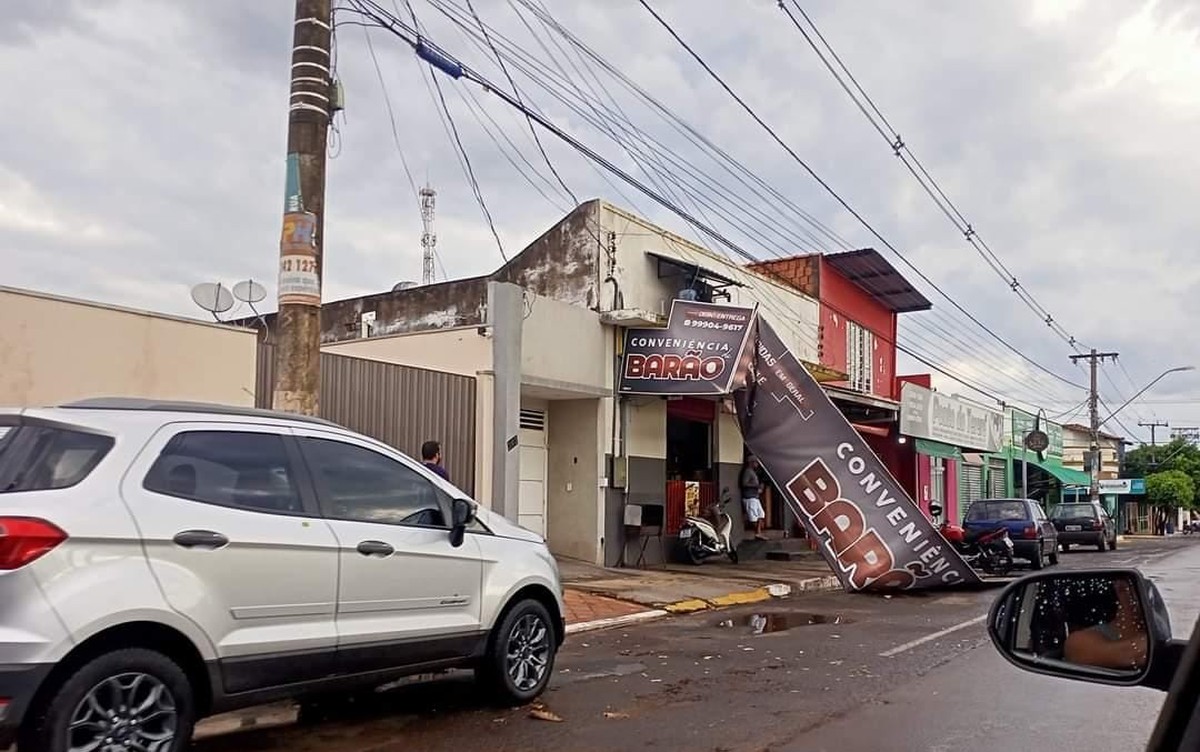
583, 606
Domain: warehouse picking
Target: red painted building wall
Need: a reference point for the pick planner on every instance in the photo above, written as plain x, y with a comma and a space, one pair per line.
841, 300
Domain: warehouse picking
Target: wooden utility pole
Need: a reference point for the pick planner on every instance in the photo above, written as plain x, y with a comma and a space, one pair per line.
1096, 358
298, 327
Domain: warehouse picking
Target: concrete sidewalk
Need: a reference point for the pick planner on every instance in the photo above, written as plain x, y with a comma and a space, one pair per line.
683, 589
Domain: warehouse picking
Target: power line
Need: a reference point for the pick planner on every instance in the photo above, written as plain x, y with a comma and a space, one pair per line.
624, 140
837, 197
901, 149
440, 59
460, 151
517, 94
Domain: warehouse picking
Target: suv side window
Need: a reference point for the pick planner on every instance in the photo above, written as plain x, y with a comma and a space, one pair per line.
360, 485
243, 470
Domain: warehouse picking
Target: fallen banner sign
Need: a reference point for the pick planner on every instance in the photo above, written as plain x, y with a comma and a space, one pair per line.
871, 533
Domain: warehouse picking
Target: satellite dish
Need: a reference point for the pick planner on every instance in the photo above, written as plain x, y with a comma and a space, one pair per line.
212, 297
249, 291
406, 285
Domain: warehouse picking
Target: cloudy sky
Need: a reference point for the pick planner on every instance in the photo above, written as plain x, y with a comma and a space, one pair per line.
144, 146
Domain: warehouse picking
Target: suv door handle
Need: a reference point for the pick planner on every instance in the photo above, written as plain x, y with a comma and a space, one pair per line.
200, 539
375, 548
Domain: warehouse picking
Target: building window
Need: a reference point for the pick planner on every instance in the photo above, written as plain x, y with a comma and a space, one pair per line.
860, 356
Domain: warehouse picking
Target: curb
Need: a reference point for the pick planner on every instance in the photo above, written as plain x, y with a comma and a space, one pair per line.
616, 621
757, 595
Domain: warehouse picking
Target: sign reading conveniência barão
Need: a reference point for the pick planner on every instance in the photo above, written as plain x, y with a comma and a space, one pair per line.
871, 533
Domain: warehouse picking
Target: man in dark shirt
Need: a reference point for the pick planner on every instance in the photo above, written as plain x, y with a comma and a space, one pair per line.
431, 456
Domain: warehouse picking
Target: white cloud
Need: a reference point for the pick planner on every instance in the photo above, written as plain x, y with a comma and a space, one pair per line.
147, 154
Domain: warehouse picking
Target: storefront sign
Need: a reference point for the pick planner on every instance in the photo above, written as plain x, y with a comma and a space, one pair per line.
926, 414
1020, 424
697, 353
873, 536
1126, 486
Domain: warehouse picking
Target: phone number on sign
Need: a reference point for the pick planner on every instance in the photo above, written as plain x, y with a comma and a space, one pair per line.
719, 326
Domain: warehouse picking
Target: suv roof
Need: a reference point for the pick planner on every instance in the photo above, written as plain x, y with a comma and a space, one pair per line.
182, 406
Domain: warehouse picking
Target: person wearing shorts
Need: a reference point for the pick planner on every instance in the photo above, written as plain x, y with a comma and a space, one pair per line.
751, 485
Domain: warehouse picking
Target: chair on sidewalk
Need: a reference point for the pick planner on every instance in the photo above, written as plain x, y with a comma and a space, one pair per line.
643, 523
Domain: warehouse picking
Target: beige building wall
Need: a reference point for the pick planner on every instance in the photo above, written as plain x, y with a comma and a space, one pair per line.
574, 498
55, 350
463, 351
564, 345
646, 432
1075, 447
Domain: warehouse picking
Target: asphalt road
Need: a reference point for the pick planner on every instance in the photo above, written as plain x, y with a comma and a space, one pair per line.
901, 673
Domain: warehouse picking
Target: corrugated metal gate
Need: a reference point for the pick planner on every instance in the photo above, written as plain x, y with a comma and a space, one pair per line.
997, 479
972, 483
398, 405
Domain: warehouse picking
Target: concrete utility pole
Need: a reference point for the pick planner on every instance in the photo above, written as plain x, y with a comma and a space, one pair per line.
298, 329
1152, 425
1096, 358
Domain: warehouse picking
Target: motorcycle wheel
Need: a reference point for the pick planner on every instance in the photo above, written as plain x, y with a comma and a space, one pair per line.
694, 552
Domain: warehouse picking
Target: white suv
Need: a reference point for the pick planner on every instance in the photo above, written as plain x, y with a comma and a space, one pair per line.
160, 562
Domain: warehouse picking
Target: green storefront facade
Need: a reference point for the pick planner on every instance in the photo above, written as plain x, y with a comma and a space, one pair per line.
1047, 475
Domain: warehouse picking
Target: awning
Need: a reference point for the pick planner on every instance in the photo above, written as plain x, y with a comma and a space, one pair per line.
1065, 475
973, 458
938, 449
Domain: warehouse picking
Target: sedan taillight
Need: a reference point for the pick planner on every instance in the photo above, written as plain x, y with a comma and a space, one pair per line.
1030, 532
25, 539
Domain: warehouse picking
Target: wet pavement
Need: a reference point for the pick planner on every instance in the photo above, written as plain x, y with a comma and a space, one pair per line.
823, 671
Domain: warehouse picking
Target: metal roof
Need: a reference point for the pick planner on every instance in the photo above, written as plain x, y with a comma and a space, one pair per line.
868, 269
180, 406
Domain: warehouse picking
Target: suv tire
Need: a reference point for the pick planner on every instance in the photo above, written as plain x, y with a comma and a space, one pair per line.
125, 680
520, 657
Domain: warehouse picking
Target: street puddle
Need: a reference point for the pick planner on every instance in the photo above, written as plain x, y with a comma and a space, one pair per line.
781, 621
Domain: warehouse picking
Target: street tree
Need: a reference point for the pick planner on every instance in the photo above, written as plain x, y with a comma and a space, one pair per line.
1170, 490
1179, 455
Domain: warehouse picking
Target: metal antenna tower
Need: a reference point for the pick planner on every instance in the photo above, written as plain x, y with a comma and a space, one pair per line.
428, 238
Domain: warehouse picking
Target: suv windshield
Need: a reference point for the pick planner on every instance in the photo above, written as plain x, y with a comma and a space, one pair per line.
1074, 511
997, 510
42, 458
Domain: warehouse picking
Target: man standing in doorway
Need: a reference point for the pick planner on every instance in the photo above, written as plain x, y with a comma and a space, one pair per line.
431, 456
752, 496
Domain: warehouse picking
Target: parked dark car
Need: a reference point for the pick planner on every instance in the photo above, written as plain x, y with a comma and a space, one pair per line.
1033, 535
1084, 523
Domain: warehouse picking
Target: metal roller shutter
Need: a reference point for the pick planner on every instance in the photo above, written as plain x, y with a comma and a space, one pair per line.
971, 486
997, 479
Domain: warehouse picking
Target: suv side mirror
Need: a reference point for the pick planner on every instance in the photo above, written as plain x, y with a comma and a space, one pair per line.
1105, 626
462, 513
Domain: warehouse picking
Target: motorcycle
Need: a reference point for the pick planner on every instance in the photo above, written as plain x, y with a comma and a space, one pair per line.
701, 539
990, 551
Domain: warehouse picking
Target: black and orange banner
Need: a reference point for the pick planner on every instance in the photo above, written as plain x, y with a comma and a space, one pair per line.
871, 533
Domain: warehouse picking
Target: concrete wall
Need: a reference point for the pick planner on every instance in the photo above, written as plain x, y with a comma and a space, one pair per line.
564, 344
462, 351
646, 430
574, 498
55, 350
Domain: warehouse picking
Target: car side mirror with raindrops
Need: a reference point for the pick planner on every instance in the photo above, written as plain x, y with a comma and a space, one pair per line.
1105, 626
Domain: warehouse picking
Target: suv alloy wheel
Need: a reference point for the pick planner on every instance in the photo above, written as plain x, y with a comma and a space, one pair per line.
127, 699
520, 657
